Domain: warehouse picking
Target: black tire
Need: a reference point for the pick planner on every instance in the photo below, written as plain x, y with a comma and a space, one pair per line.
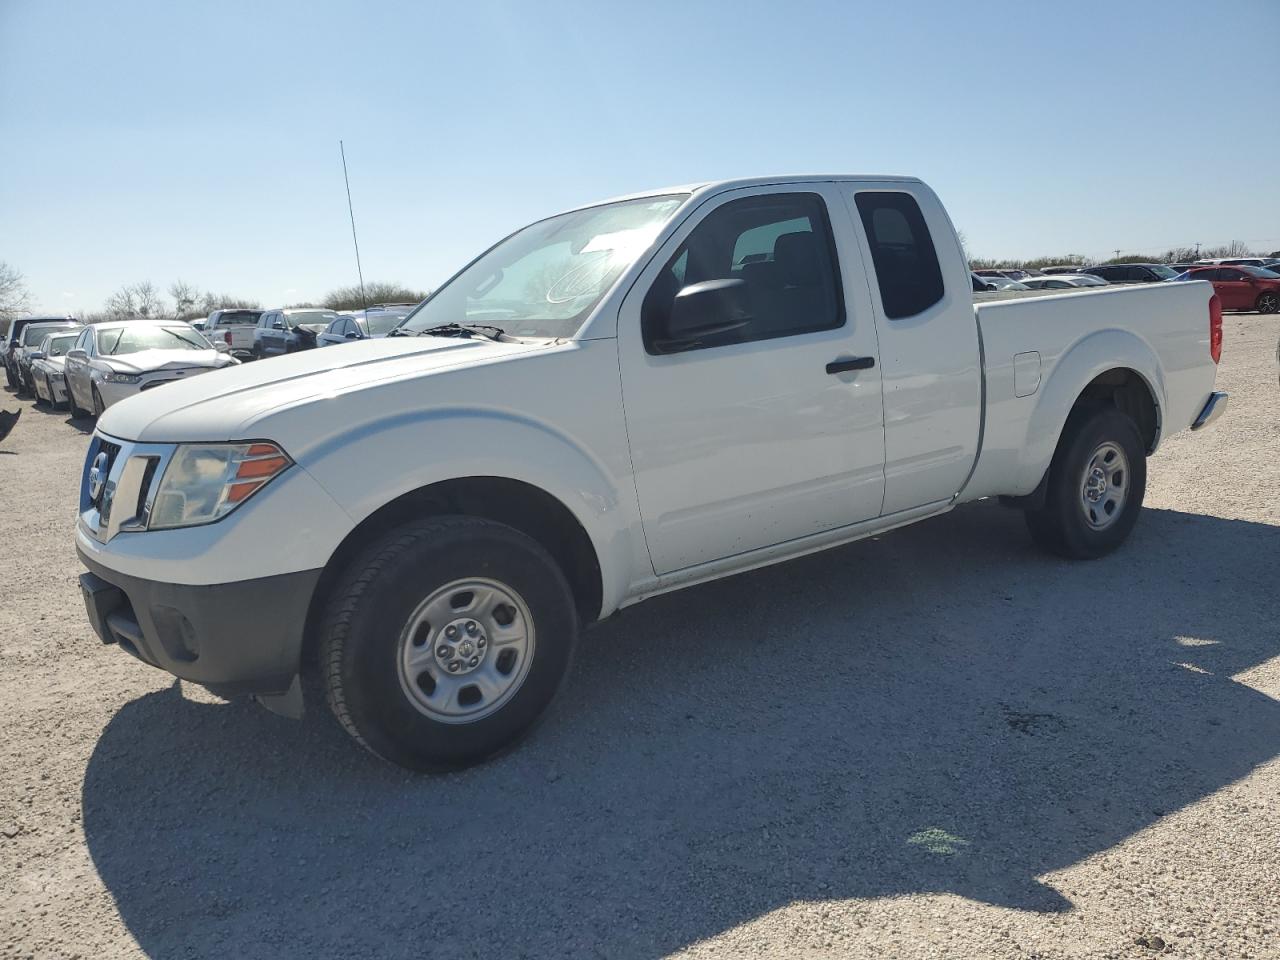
36, 391
99, 408
8, 375
1062, 525
76, 412
375, 600
1268, 302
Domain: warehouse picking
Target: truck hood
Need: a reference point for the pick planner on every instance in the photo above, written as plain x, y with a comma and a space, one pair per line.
226, 404
148, 361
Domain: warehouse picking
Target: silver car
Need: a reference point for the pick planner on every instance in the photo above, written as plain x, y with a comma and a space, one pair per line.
111, 361
47, 373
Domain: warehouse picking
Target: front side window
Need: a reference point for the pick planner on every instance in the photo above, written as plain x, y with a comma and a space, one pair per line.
545, 280
1226, 274
58, 346
902, 251
780, 245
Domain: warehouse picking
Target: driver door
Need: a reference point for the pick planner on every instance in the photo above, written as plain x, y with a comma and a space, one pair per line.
771, 431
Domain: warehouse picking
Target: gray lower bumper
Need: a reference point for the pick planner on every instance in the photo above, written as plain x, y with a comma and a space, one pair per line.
236, 638
1213, 409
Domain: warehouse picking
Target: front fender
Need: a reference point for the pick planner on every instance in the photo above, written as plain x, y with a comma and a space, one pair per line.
417, 449
1078, 365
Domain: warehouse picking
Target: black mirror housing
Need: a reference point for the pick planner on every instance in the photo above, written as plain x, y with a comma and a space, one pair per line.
706, 309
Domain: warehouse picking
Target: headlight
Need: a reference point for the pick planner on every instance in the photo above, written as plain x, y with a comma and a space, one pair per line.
112, 377
205, 481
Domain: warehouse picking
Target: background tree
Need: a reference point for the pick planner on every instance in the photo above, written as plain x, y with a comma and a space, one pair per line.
135, 301
15, 299
348, 298
185, 300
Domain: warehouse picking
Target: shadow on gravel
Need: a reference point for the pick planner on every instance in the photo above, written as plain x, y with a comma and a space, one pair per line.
943, 709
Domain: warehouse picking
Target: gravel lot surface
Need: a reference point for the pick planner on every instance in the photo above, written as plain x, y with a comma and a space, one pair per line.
938, 743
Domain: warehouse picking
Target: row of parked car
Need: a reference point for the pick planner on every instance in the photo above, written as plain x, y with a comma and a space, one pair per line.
1242, 283
253, 334
61, 362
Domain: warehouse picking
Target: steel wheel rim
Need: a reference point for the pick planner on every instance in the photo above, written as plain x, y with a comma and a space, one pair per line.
1268, 303
1104, 486
466, 650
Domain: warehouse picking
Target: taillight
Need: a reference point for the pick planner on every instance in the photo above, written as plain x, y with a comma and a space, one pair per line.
226, 336
1215, 328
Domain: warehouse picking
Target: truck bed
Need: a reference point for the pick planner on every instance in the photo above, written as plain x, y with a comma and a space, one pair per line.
1025, 334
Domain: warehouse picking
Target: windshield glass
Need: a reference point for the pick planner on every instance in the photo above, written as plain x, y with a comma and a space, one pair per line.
310, 316
383, 322
544, 280
34, 333
58, 346
239, 318
148, 337
1163, 272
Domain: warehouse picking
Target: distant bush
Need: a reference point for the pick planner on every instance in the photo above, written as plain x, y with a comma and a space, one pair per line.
348, 298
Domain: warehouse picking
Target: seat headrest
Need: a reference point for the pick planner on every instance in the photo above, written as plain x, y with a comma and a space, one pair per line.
797, 257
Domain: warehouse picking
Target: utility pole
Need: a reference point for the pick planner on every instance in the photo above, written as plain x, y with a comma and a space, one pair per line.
351, 212
1117, 254
1197, 249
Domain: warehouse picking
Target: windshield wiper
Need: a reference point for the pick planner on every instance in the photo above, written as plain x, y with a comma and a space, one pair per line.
463, 330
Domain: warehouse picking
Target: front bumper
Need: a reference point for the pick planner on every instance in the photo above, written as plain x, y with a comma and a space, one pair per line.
1213, 408
236, 638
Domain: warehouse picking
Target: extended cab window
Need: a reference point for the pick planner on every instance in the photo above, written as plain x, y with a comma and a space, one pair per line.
780, 246
902, 251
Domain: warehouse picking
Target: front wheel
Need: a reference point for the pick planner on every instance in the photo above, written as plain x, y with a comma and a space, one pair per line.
99, 408
446, 641
1268, 302
1097, 480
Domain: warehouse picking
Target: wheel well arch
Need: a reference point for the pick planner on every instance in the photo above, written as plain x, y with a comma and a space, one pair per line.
517, 504
1127, 391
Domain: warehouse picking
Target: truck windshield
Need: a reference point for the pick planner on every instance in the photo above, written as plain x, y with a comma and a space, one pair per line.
544, 280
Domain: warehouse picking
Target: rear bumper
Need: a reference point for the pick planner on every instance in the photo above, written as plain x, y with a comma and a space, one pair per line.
1213, 408
237, 638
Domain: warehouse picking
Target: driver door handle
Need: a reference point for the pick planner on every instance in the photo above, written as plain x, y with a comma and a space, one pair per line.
852, 363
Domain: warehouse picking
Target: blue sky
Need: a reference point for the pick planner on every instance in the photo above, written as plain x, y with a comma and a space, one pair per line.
149, 140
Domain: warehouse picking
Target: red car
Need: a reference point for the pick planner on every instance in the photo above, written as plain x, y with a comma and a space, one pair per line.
1242, 288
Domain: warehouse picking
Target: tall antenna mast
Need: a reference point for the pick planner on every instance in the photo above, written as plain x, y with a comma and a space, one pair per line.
354, 241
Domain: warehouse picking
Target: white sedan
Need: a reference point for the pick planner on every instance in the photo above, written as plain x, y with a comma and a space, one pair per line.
111, 361
47, 368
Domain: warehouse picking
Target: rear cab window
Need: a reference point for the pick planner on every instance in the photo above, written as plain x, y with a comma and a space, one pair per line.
907, 270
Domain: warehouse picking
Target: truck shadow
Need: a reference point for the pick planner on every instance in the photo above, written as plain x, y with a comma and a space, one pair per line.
940, 710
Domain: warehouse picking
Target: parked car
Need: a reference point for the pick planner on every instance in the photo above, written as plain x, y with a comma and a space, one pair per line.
288, 331
13, 337
200, 323
1264, 262
28, 343
235, 328
47, 374
1004, 283
1132, 272
372, 324
433, 515
1081, 279
1059, 282
1009, 274
1061, 268
1242, 288
983, 284
112, 361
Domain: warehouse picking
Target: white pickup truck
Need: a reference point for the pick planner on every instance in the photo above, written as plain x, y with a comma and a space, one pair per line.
609, 404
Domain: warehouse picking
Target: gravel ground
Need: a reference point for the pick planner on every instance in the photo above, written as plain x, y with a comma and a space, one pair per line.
939, 743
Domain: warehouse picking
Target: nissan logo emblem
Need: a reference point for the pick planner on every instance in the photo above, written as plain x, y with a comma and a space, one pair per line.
97, 476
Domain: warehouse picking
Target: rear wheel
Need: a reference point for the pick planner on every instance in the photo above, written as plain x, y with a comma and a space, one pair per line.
1097, 480
1268, 302
445, 642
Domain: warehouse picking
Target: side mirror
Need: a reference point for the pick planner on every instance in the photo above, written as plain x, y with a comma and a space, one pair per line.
76, 354
703, 310
991, 287
277, 325
35, 355
351, 336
